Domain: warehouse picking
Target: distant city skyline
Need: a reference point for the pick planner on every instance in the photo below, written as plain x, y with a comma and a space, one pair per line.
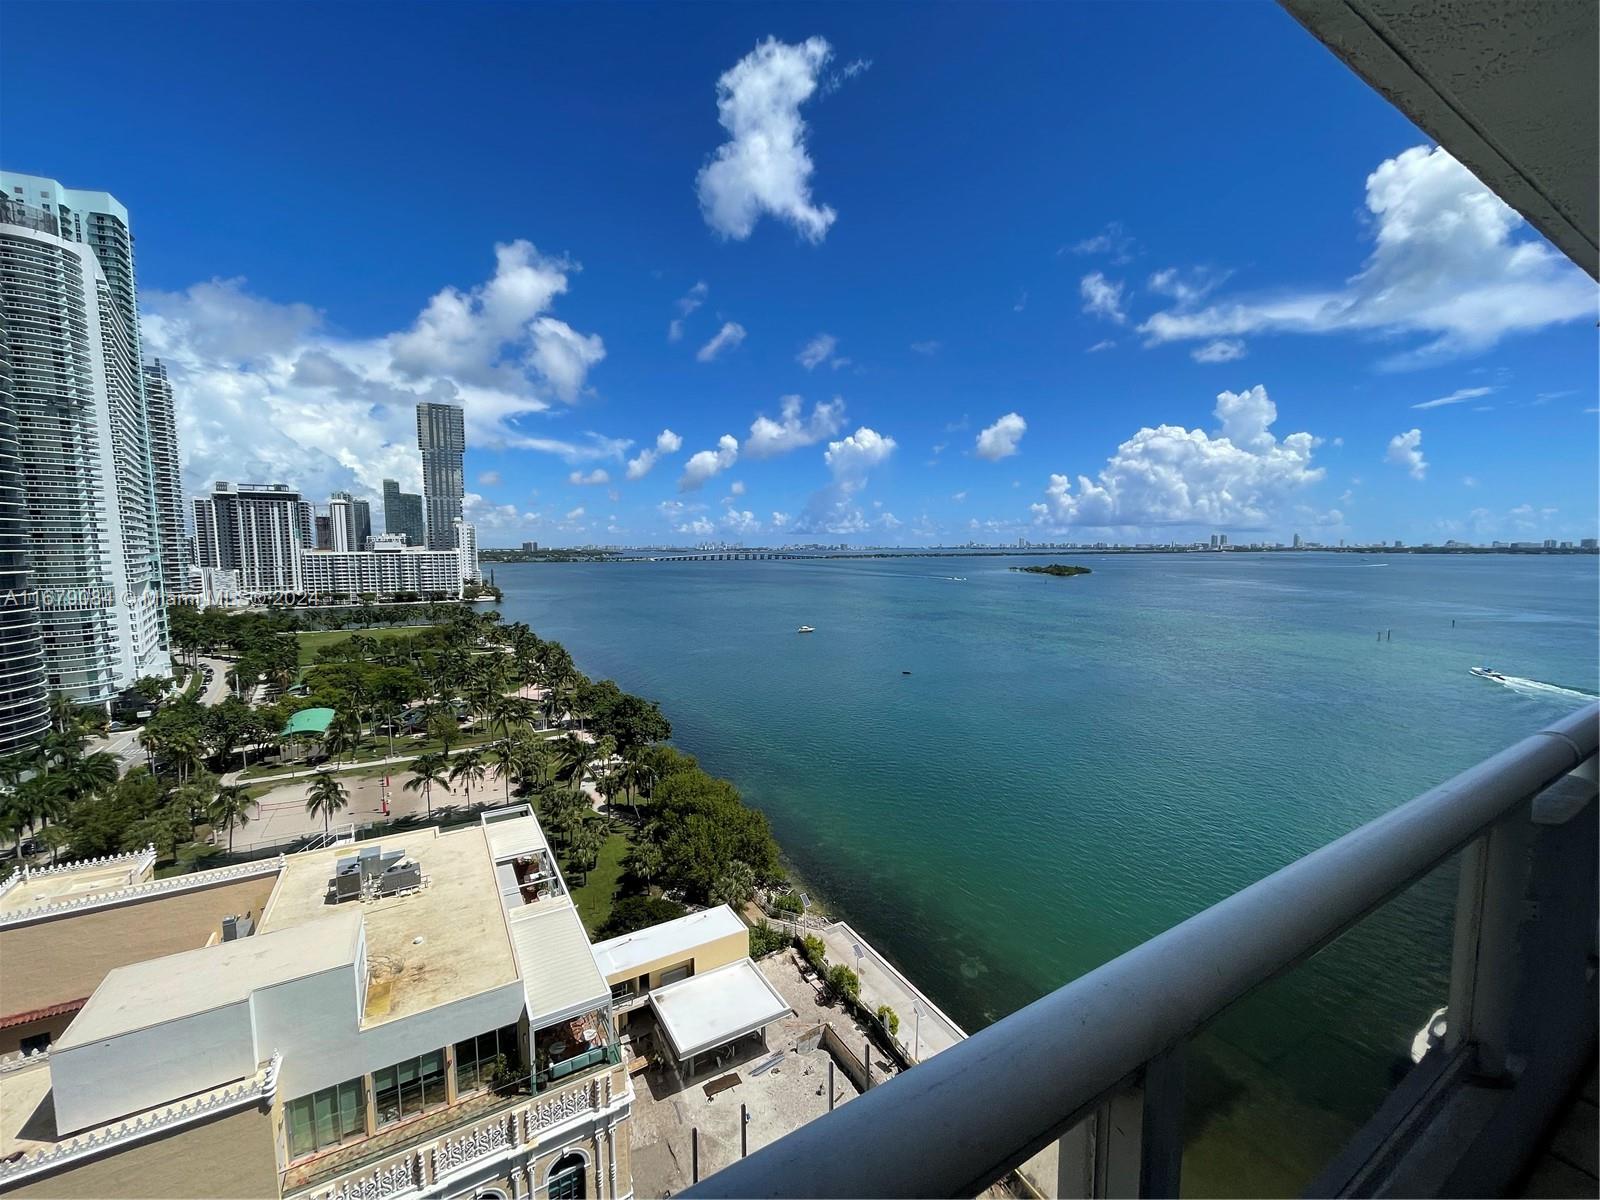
1000, 327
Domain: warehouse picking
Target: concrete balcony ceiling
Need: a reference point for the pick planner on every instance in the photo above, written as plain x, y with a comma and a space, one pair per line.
1509, 87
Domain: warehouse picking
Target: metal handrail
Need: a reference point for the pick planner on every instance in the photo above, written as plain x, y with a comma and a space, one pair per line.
953, 1124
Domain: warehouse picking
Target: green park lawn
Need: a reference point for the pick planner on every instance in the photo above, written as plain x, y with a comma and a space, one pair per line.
314, 641
598, 891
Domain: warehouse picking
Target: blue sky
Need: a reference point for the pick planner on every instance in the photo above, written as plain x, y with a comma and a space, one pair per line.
1064, 272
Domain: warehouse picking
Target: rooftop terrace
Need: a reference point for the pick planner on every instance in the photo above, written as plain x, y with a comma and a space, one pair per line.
442, 944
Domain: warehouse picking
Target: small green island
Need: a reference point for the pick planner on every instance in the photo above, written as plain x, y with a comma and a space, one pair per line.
1059, 569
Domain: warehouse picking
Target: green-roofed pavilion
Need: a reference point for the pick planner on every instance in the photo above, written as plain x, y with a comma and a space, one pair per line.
313, 721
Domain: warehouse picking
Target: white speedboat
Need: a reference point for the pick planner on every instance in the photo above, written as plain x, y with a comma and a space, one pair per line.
805, 629
1486, 673
1429, 1036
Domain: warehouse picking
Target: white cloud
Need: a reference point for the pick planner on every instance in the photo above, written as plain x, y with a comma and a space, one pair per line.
667, 442
925, 348
1186, 288
707, 463
489, 478
593, 478
958, 497
1106, 344
575, 513
1102, 297
736, 488
1000, 439
780, 520
1220, 351
1111, 240
1470, 481
1022, 302
1459, 396
857, 454
832, 509
738, 522
764, 166
731, 334
769, 438
269, 391
1444, 265
1405, 450
687, 303
1238, 477
820, 350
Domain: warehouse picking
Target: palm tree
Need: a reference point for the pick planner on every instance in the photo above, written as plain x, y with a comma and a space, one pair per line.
427, 770
62, 711
645, 861
327, 796
231, 807
468, 768
572, 757
344, 733
505, 757
584, 845
82, 776
442, 728
56, 837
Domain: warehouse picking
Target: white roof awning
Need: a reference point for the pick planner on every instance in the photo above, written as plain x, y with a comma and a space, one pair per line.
623, 956
514, 836
706, 1011
559, 975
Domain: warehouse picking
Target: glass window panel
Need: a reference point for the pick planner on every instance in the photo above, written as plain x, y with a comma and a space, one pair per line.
323, 1108
298, 1114
352, 1110
385, 1086
433, 1090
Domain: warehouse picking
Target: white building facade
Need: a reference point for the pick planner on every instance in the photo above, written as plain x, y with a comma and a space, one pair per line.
83, 436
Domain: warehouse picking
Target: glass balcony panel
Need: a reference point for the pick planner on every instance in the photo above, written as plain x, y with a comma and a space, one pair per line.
1281, 1081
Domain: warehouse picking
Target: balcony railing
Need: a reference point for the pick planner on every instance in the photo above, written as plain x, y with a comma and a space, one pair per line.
1097, 1066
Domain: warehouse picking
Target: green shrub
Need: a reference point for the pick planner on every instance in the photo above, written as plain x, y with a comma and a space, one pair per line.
764, 939
889, 1018
816, 953
842, 982
787, 902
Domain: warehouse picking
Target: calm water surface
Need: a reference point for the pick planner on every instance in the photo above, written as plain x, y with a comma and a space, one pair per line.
1074, 765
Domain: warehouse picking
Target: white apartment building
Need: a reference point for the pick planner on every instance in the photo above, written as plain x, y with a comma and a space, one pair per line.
390, 567
83, 436
416, 1016
165, 474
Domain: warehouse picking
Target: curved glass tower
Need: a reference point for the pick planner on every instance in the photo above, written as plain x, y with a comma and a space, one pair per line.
23, 713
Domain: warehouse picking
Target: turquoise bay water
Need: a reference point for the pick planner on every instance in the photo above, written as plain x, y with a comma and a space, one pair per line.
1074, 765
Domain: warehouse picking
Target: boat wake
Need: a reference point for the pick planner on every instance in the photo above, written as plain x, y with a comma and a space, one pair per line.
1533, 687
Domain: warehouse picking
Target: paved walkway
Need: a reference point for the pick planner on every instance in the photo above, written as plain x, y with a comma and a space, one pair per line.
881, 983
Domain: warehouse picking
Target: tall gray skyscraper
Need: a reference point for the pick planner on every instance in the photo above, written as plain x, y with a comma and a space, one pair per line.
402, 513
165, 472
442, 438
67, 294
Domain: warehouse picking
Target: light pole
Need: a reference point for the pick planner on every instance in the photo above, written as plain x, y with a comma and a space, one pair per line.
916, 1007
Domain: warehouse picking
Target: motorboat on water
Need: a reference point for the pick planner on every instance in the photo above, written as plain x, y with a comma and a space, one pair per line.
1430, 1035
805, 629
1486, 673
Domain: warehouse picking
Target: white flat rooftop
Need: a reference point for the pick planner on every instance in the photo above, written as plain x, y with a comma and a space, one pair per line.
706, 1011
559, 975
511, 836
144, 994
626, 954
